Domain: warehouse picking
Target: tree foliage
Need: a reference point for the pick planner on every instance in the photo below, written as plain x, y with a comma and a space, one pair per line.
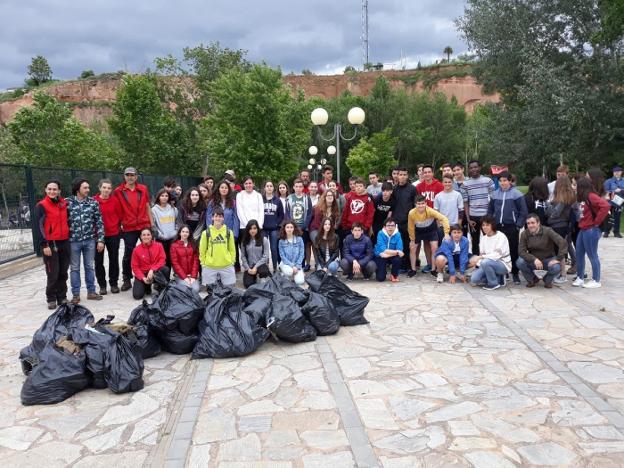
39, 70
257, 127
373, 154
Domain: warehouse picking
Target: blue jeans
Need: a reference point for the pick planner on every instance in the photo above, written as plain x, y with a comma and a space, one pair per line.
273, 236
587, 243
85, 248
489, 272
527, 270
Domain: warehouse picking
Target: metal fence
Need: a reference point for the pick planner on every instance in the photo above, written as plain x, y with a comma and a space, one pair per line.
21, 187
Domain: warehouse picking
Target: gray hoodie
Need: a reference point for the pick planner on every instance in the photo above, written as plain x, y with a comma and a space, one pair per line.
165, 221
252, 255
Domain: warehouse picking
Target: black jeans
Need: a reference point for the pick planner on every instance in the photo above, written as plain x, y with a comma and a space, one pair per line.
112, 247
368, 269
405, 261
262, 272
476, 234
382, 266
130, 239
139, 288
57, 266
512, 233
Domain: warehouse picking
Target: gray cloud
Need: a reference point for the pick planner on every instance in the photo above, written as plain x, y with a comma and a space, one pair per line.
321, 35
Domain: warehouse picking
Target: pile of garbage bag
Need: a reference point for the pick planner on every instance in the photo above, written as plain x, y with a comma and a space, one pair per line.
71, 351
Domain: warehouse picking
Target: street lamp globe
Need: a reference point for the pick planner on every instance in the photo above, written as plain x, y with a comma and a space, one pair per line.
331, 150
310, 166
313, 150
356, 116
312, 161
323, 161
319, 116
319, 167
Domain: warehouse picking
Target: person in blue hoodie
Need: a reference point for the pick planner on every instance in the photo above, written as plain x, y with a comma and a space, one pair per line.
389, 249
509, 209
273, 217
454, 253
357, 254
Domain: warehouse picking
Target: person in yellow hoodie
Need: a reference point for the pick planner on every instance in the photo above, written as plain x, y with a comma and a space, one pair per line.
217, 252
422, 225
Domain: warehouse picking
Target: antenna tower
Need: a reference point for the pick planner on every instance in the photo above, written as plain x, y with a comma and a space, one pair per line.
365, 32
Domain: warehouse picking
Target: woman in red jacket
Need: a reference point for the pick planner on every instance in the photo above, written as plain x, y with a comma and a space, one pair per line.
51, 218
185, 259
147, 258
594, 211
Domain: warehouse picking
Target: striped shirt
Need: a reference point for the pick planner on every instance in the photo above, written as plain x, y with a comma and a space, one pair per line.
477, 193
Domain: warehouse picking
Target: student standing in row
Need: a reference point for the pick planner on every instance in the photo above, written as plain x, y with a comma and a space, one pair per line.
165, 221
403, 197
423, 227
249, 204
192, 212
476, 192
217, 252
383, 203
273, 217
299, 210
360, 209
614, 187
374, 187
111, 217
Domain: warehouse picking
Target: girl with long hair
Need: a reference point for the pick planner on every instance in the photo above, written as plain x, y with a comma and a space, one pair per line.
249, 204
291, 252
326, 248
559, 214
192, 212
185, 259
254, 254
223, 197
283, 190
205, 193
165, 220
327, 207
147, 258
273, 217
537, 196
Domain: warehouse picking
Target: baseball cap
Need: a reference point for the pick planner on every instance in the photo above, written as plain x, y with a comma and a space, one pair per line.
230, 172
617, 168
130, 170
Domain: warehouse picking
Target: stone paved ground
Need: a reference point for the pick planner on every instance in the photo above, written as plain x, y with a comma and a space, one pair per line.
443, 376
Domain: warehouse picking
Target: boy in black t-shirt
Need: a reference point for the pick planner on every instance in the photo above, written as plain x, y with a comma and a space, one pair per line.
384, 205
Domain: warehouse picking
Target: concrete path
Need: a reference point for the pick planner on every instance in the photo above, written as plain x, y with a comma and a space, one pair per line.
444, 375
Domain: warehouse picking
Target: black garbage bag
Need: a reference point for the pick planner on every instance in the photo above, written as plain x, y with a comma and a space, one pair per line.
177, 308
146, 336
57, 375
124, 365
95, 345
58, 324
321, 313
227, 330
258, 309
349, 304
176, 342
286, 321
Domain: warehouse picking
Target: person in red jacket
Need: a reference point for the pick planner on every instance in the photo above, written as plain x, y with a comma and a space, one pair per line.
51, 218
136, 214
147, 258
111, 216
594, 210
185, 259
358, 209
429, 187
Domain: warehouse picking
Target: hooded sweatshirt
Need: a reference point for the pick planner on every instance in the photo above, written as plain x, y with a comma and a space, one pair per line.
249, 206
273, 213
448, 249
359, 209
429, 191
216, 247
165, 221
508, 207
386, 241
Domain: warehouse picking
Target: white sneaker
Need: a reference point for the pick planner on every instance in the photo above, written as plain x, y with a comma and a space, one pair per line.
591, 284
440, 278
560, 280
578, 282
492, 288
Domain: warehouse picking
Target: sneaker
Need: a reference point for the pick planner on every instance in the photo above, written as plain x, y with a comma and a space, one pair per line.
114, 289
60, 302
440, 278
306, 268
502, 280
560, 280
349, 277
394, 279
548, 285
491, 288
578, 282
591, 284
571, 270
52, 305
93, 296
126, 285
516, 279
617, 234
605, 235
427, 269
103, 291
532, 284
411, 273
75, 299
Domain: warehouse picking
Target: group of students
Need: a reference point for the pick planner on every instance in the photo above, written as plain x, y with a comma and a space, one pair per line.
216, 229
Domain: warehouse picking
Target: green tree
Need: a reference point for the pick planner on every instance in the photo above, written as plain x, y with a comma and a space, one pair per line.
373, 154
257, 127
39, 70
148, 131
8, 148
448, 51
87, 74
47, 134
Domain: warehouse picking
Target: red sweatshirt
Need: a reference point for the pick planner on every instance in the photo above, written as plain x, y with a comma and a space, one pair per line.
594, 212
111, 214
429, 191
358, 209
146, 258
184, 260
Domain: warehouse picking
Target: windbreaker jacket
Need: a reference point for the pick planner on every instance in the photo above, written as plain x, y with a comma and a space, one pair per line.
508, 207
358, 249
230, 218
291, 253
51, 215
184, 260
447, 247
147, 257
387, 242
85, 220
111, 214
134, 207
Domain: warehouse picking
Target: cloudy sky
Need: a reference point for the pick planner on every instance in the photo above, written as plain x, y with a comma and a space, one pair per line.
320, 35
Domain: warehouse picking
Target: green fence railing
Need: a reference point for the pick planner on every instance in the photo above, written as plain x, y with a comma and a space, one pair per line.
21, 187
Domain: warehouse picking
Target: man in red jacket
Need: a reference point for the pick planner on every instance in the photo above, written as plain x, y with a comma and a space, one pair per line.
429, 187
134, 200
359, 209
111, 216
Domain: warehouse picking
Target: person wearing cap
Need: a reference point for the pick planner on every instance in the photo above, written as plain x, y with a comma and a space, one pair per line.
541, 248
134, 199
230, 177
615, 194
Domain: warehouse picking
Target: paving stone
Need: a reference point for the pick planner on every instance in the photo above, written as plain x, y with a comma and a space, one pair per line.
273, 377
483, 459
50, 454
592, 448
311, 380
354, 367
520, 362
409, 408
19, 437
548, 453
325, 440
215, 425
596, 373
463, 428
604, 432
244, 449
260, 423
199, 456
282, 438
126, 459
375, 415
470, 443
401, 462
338, 459
412, 441
306, 420
259, 407
105, 441
140, 405
576, 413
456, 411
148, 425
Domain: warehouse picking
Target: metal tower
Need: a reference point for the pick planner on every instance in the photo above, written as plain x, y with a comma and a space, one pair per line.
365, 32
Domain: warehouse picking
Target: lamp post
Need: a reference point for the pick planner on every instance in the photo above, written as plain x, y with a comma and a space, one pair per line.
320, 117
